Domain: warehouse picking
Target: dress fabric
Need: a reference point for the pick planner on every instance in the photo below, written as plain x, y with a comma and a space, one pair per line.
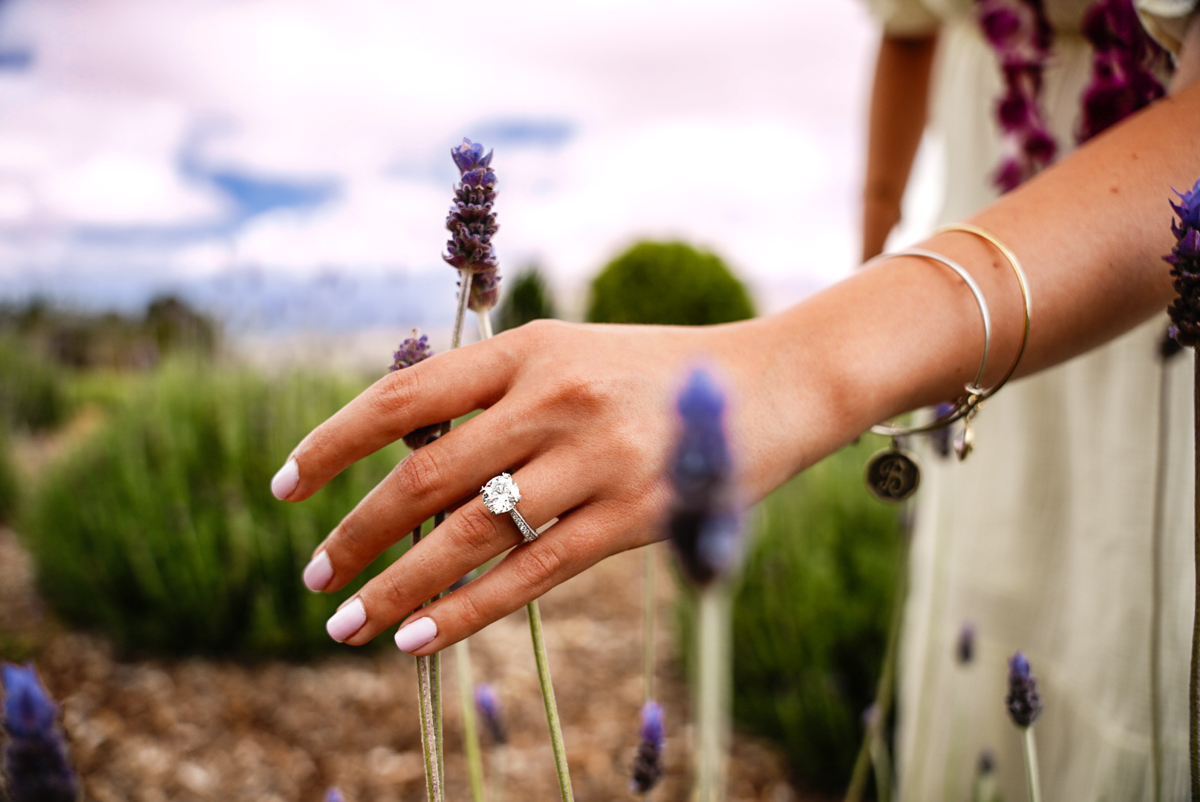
1042, 538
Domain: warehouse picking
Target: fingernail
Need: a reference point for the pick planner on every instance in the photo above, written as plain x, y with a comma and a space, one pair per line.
413, 636
285, 481
346, 621
318, 572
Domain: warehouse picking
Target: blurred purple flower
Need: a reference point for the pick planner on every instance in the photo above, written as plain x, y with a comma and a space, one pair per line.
1185, 268
940, 438
1023, 702
647, 767
489, 710
704, 523
413, 350
36, 761
987, 762
1123, 64
965, 648
485, 291
334, 795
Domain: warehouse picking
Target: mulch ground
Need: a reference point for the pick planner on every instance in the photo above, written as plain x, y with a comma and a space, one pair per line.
199, 729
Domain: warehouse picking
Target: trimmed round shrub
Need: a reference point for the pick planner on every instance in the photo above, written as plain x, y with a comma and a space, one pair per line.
161, 532
668, 283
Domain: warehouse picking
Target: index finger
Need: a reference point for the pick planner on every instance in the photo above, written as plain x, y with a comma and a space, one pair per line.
440, 388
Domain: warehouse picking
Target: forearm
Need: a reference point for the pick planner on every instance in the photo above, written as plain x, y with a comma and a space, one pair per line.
1090, 232
899, 98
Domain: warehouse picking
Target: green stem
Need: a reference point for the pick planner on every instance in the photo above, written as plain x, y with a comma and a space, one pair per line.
1031, 766
885, 689
466, 700
711, 701
1194, 688
648, 620
430, 731
543, 667
1156, 535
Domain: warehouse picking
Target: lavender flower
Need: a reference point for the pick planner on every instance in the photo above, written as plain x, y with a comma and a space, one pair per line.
647, 767
485, 291
489, 710
1123, 60
36, 757
940, 438
471, 221
1185, 268
704, 523
1024, 705
987, 762
413, 350
334, 795
965, 648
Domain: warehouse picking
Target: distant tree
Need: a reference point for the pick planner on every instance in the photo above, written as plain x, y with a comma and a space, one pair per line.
528, 298
668, 283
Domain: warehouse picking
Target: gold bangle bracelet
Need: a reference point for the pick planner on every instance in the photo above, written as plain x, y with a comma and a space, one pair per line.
1006, 252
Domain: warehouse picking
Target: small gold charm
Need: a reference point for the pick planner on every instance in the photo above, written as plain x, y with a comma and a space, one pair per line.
892, 474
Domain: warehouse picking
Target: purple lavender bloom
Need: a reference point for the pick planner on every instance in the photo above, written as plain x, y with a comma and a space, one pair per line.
334, 795
485, 291
940, 438
647, 767
987, 762
413, 350
704, 523
965, 648
1024, 705
489, 710
471, 221
36, 757
469, 156
1185, 268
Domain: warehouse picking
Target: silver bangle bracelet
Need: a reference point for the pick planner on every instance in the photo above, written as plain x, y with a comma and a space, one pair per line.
965, 404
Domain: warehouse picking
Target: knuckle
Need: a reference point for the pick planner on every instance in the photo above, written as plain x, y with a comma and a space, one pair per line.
395, 393
476, 530
419, 476
540, 565
582, 391
470, 614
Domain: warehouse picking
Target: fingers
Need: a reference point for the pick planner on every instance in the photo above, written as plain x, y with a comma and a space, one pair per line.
439, 476
467, 539
445, 386
573, 544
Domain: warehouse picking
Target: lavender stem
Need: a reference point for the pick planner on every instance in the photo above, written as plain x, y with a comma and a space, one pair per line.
1031, 766
712, 693
1160, 478
466, 686
1194, 687
543, 668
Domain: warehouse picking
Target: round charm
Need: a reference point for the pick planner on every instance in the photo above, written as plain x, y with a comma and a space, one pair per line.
892, 475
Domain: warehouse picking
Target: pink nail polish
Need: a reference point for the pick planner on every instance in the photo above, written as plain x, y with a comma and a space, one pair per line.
284, 482
346, 621
413, 636
318, 572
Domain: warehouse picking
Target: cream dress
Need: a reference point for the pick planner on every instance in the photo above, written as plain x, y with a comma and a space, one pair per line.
1041, 539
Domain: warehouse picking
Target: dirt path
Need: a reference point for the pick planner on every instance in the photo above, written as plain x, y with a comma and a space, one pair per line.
154, 730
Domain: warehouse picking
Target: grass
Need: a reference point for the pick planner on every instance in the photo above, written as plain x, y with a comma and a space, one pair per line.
160, 530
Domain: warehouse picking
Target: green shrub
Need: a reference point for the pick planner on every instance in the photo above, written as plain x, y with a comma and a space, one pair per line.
670, 283
31, 387
810, 616
527, 298
161, 532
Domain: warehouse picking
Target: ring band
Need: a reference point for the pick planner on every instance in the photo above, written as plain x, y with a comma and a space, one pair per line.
501, 495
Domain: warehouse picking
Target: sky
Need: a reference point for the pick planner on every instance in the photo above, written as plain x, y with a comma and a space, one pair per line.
147, 142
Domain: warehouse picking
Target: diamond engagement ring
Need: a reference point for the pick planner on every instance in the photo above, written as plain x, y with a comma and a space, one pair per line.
500, 495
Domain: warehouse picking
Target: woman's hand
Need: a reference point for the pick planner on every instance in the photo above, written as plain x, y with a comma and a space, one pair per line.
581, 416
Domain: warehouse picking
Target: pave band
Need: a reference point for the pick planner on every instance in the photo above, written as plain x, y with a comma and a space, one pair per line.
500, 495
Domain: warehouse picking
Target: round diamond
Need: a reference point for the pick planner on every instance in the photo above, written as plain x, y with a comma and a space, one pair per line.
501, 494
